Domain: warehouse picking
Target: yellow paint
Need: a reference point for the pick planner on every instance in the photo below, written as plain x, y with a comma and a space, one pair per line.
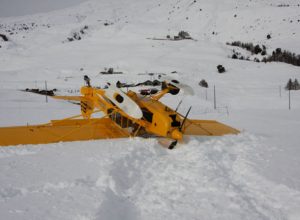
207, 128
158, 120
61, 130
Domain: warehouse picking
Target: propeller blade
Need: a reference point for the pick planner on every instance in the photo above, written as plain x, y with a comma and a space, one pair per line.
167, 143
184, 87
178, 106
172, 145
124, 102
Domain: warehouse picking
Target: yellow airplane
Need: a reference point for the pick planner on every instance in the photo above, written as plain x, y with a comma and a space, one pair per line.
126, 115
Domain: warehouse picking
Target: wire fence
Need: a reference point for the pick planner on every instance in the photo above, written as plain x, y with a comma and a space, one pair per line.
211, 94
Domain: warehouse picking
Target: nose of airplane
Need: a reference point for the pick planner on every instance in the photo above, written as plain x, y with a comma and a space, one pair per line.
177, 135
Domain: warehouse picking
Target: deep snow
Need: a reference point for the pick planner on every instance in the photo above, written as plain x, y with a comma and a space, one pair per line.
253, 175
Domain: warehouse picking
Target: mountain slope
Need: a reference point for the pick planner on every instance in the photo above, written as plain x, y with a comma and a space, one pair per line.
254, 175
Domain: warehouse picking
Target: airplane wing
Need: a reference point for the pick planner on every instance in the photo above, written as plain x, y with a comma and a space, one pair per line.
70, 98
207, 128
62, 130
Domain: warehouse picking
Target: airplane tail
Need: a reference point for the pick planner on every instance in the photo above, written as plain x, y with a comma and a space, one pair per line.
86, 104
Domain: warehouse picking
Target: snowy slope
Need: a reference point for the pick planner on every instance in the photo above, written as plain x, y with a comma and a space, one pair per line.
11, 8
254, 175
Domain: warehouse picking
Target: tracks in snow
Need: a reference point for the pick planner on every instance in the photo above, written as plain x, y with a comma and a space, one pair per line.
214, 178
210, 178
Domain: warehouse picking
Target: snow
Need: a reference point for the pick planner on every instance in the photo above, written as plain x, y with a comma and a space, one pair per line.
253, 175
11, 8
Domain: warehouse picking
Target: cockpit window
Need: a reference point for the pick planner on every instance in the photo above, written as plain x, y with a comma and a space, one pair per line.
147, 114
174, 123
119, 98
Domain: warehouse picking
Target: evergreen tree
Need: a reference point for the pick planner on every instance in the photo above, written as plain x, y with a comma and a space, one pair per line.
257, 49
296, 85
289, 85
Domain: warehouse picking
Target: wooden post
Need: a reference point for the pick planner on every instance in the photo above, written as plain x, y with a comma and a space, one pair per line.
46, 91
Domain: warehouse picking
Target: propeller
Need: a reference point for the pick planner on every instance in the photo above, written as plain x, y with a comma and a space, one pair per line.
188, 112
124, 102
174, 143
184, 87
178, 106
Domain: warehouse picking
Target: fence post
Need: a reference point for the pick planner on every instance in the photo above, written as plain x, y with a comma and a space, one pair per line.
206, 94
280, 91
46, 91
289, 99
215, 100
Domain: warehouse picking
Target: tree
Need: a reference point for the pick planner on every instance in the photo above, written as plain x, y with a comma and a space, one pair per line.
257, 49
221, 69
203, 83
234, 56
296, 85
289, 85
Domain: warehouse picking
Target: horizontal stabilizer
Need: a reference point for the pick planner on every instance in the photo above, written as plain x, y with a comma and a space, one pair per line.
62, 130
207, 128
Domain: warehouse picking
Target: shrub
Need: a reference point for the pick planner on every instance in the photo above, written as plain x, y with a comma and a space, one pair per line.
4, 37
234, 56
79, 34
257, 49
278, 55
250, 47
221, 69
284, 56
203, 83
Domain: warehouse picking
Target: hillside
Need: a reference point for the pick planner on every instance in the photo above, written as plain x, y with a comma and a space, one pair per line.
253, 175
